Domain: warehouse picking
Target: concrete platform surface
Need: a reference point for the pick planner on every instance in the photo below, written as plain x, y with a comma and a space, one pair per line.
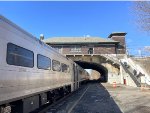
130, 99
96, 100
93, 98
103, 98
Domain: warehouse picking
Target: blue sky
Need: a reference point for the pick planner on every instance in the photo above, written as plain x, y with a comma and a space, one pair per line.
76, 19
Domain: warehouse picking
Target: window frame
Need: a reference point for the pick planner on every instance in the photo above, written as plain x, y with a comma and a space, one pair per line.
67, 68
91, 50
59, 63
76, 49
45, 57
21, 48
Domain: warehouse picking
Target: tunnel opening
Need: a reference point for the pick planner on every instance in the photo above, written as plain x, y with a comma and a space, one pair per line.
95, 66
94, 75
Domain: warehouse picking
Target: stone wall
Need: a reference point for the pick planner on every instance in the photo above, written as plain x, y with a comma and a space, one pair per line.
95, 75
113, 74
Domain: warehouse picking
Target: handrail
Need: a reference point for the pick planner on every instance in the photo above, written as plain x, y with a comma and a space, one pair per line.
131, 75
111, 58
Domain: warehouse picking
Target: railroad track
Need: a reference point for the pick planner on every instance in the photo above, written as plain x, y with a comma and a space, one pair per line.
73, 99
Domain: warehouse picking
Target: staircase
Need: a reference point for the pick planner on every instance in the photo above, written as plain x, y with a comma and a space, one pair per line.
130, 72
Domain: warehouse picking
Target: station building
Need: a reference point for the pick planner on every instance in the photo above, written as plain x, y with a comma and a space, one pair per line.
114, 44
93, 51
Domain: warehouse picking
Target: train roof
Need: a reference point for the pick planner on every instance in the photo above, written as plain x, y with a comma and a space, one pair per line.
29, 35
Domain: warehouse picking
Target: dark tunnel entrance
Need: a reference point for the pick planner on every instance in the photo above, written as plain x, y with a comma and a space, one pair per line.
98, 67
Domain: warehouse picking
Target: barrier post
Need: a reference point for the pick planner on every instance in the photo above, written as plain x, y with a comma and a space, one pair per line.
114, 84
142, 88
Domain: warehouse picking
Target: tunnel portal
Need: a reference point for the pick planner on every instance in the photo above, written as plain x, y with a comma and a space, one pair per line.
98, 67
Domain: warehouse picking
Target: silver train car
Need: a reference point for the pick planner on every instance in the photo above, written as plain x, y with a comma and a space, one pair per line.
32, 73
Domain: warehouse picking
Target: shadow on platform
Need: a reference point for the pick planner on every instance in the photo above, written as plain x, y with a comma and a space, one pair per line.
96, 100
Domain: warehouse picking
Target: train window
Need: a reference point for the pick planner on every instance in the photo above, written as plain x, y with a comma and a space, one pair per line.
64, 68
19, 56
43, 62
56, 65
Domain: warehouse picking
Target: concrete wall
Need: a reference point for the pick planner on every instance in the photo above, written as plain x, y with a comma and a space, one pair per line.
144, 63
95, 75
125, 78
119, 76
113, 74
113, 70
87, 58
141, 65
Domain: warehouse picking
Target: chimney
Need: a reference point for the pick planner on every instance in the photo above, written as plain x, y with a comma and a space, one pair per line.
120, 37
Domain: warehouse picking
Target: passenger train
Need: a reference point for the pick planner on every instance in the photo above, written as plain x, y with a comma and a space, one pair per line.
32, 73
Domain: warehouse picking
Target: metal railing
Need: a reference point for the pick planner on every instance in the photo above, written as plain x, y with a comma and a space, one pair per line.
134, 78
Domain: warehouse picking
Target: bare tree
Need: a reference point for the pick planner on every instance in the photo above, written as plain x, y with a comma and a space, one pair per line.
141, 10
147, 48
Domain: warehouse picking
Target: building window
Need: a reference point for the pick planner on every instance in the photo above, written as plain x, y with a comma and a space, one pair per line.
19, 56
75, 49
90, 51
43, 62
108, 47
56, 65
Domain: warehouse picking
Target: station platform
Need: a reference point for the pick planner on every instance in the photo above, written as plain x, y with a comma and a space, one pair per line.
93, 98
104, 98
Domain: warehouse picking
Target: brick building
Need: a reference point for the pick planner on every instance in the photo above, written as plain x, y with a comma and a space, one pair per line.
114, 44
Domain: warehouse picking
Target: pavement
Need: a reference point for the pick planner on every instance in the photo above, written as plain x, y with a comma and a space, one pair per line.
104, 98
96, 100
130, 99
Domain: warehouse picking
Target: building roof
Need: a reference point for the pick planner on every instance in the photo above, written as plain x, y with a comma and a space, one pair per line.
117, 34
75, 40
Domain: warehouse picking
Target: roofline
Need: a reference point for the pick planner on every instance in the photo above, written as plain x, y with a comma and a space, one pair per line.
69, 43
117, 33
